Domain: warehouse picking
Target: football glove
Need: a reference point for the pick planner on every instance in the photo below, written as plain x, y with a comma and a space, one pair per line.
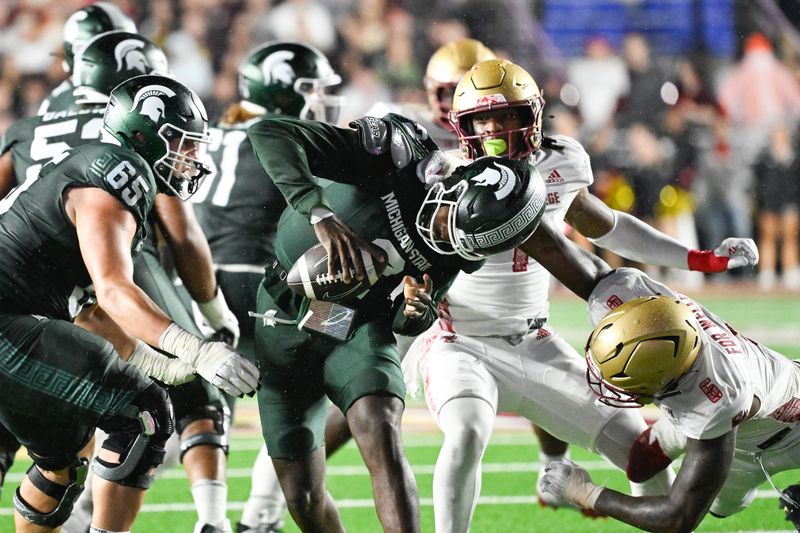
158, 366
217, 362
437, 166
733, 252
565, 481
221, 319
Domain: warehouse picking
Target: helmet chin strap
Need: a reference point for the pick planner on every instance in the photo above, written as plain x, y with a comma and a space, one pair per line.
759, 457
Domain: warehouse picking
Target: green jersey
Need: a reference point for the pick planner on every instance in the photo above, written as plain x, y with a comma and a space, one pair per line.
60, 99
378, 201
41, 264
33, 141
237, 205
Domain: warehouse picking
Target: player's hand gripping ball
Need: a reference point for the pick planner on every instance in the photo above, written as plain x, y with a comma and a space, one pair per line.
309, 276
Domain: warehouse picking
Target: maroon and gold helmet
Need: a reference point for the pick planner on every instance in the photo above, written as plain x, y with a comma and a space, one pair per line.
498, 84
445, 68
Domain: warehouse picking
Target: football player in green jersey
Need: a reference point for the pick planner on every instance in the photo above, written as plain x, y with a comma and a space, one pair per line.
377, 205
238, 206
202, 422
76, 226
79, 29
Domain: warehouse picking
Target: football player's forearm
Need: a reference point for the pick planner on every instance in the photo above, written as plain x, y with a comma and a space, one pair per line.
133, 311
653, 513
195, 267
573, 266
96, 320
634, 239
411, 327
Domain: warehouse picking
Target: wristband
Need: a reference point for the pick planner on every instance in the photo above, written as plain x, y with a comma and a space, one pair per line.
706, 261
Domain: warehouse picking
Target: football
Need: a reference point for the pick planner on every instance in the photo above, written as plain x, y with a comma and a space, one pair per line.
309, 277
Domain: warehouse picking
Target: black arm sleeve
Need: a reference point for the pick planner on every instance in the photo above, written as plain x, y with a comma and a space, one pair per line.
403, 325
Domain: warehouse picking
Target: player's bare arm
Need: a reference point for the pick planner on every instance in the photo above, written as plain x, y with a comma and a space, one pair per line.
342, 245
576, 268
189, 246
105, 233
7, 179
702, 474
635, 240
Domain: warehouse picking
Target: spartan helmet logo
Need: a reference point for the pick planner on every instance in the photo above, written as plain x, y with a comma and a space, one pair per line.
276, 68
152, 100
499, 175
129, 55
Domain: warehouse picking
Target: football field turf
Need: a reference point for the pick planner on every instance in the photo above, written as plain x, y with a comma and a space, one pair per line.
507, 503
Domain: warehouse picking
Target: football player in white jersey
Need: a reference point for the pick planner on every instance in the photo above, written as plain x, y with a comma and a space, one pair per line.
491, 349
444, 70
734, 401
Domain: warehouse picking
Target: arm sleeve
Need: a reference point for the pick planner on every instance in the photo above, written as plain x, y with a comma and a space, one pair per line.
403, 325
292, 152
633, 239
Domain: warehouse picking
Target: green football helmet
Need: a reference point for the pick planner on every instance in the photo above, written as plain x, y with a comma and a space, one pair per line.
289, 78
164, 122
111, 58
491, 205
89, 21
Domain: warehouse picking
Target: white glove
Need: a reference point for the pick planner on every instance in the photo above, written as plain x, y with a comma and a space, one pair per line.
436, 167
217, 362
742, 252
221, 318
159, 366
566, 481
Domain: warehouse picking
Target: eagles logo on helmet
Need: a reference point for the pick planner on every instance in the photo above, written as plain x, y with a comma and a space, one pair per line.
493, 204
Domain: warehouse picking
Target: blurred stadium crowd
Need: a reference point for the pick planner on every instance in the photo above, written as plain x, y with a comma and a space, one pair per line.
701, 143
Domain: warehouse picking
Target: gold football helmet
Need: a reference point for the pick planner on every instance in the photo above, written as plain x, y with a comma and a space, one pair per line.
498, 84
445, 68
640, 349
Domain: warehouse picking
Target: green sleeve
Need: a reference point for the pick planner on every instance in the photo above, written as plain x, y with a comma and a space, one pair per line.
8, 139
293, 151
403, 325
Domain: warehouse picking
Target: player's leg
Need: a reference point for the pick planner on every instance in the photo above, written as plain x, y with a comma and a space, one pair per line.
265, 504
293, 407
553, 393
462, 396
201, 414
71, 380
363, 378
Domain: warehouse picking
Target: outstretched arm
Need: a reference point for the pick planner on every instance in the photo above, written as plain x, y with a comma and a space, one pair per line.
633, 239
700, 479
573, 266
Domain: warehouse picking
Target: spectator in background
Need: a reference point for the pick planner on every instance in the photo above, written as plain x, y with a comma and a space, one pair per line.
778, 192
307, 21
189, 59
642, 103
758, 93
601, 80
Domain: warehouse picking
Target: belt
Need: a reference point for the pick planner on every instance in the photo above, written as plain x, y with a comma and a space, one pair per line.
775, 439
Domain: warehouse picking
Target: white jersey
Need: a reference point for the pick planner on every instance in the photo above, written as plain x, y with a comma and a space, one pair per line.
444, 138
511, 290
717, 394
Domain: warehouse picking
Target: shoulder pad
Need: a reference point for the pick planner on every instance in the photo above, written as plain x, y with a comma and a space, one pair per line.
373, 133
404, 139
125, 175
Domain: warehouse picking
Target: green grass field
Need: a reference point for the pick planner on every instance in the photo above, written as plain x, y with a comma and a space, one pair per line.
507, 503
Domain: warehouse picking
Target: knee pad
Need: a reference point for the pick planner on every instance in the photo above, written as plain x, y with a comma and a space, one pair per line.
220, 415
138, 435
66, 495
645, 458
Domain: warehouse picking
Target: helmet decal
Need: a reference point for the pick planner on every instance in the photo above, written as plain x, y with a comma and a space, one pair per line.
500, 175
526, 216
276, 67
129, 55
152, 104
491, 99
